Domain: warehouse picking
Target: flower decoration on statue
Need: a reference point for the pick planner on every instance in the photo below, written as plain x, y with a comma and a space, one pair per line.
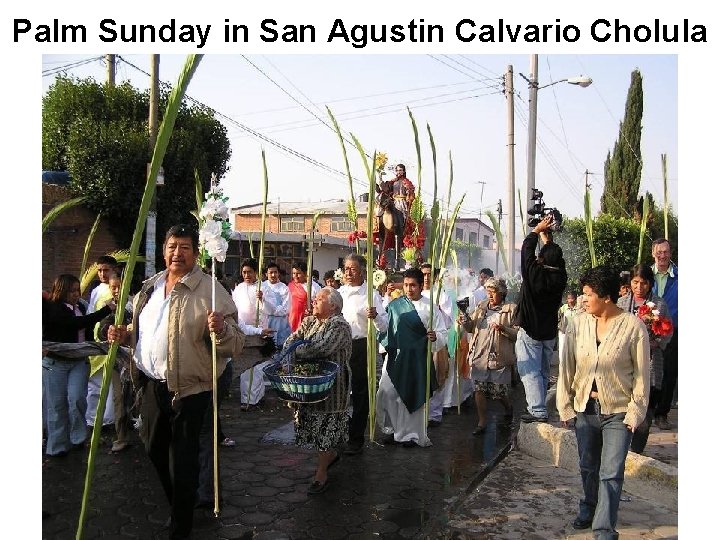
381, 160
657, 325
355, 236
215, 230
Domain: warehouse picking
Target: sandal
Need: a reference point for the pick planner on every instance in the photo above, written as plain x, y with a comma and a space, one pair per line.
479, 430
317, 487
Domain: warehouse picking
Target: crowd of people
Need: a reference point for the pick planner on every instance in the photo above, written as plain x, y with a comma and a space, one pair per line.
617, 367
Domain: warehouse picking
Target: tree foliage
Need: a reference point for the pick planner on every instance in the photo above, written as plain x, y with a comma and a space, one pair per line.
623, 166
99, 134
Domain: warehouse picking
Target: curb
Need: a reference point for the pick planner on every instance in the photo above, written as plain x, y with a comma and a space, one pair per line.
644, 477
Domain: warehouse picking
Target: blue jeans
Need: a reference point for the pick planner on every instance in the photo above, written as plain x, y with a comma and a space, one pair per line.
65, 389
603, 442
533, 365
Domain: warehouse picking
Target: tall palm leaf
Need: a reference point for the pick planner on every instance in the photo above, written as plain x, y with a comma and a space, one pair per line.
121, 256
643, 226
88, 243
164, 133
59, 209
589, 228
666, 205
499, 237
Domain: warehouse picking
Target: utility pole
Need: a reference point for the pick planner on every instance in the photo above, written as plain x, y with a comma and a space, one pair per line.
151, 221
510, 96
532, 127
110, 61
497, 246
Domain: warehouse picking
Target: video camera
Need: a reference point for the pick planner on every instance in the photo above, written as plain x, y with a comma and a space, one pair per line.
538, 211
463, 304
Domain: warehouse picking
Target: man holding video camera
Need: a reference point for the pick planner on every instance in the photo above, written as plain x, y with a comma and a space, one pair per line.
544, 280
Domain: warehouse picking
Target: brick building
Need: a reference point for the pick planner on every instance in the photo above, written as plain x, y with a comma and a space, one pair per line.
287, 233
63, 243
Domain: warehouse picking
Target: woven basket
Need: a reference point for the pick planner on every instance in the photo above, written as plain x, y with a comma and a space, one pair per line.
299, 388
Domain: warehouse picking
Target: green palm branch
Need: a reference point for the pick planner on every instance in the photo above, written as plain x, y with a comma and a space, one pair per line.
589, 228
88, 243
500, 239
59, 209
121, 256
643, 226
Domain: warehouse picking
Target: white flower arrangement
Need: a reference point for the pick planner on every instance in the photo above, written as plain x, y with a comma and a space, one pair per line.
379, 276
215, 230
339, 275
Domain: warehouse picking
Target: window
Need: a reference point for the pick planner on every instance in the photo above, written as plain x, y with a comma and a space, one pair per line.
486, 241
459, 234
292, 224
341, 224
472, 238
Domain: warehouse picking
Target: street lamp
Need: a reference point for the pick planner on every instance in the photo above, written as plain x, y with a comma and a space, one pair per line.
533, 87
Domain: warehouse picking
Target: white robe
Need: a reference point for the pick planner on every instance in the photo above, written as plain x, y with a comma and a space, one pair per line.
393, 416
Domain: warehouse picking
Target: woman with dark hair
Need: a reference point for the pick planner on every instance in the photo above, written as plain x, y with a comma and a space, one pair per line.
65, 380
604, 383
298, 294
641, 281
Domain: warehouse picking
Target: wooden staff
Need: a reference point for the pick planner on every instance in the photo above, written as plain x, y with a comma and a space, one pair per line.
261, 258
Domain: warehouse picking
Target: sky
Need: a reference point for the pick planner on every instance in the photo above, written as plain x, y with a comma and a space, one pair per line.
576, 128
284, 98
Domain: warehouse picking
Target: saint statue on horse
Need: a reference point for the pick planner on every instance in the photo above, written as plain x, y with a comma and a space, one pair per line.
394, 200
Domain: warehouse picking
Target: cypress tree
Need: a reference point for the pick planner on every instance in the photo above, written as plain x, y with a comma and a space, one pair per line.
624, 165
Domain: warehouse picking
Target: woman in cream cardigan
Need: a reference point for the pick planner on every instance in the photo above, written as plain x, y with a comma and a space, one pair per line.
604, 384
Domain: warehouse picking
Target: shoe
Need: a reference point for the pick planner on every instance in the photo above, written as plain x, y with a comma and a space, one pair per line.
61, 454
580, 524
528, 418
662, 423
228, 442
479, 430
78, 446
388, 439
334, 461
409, 444
434, 423
353, 449
118, 447
317, 487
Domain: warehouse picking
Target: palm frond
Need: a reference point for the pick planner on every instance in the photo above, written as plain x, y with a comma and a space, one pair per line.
121, 256
88, 243
59, 209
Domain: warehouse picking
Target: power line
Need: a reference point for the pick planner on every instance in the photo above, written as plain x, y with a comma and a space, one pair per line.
71, 65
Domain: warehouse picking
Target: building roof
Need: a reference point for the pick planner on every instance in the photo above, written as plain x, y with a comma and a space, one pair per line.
334, 207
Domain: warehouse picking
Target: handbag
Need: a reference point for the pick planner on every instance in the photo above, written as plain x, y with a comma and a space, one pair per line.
493, 357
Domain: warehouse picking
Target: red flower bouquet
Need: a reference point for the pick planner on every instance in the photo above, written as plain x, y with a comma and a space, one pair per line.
657, 326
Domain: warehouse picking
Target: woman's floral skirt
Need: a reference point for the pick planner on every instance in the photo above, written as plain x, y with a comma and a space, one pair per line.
322, 431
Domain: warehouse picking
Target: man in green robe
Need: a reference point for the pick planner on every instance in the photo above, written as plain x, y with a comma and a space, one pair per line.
403, 389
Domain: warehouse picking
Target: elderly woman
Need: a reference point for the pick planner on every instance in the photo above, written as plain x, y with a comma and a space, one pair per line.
604, 383
492, 349
324, 425
641, 280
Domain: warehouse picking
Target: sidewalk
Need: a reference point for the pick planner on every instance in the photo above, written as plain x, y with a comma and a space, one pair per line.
527, 498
